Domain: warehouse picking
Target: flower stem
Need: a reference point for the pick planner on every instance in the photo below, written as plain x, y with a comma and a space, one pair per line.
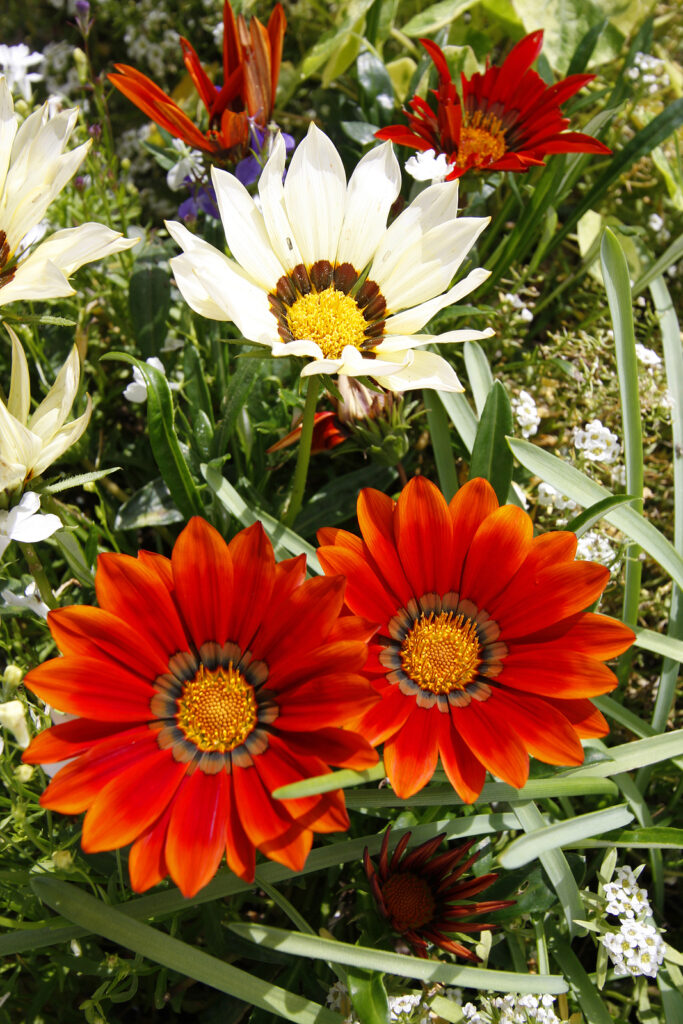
296, 496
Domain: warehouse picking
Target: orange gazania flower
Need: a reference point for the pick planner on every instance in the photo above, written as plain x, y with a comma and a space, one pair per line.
423, 896
251, 67
508, 120
484, 653
203, 682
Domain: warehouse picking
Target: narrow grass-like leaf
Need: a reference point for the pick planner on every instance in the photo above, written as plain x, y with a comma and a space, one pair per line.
79, 480
88, 912
659, 643
563, 833
629, 756
316, 948
461, 416
441, 444
659, 837
587, 995
478, 373
586, 492
555, 865
490, 456
285, 541
590, 516
671, 255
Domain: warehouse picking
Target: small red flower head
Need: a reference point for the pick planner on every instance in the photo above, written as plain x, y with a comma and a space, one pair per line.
508, 119
423, 896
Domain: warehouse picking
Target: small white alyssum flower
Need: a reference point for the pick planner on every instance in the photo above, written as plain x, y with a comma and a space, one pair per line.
637, 948
427, 166
526, 413
597, 443
595, 547
553, 499
136, 391
647, 356
30, 600
315, 272
624, 896
25, 524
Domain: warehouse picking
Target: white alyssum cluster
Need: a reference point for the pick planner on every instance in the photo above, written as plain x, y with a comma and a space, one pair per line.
595, 547
650, 71
136, 391
637, 947
526, 413
517, 303
512, 1009
551, 498
647, 356
597, 443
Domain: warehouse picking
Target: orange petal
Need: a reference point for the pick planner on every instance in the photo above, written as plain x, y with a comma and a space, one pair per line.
92, 688
424, 536
334, 699
599, 636
64, 741
254, 576
376, 521
240, 852
203, 576
532, 603
338, 747
365, 594
465, 772
294, 626
544, 730
196, 833
488, 734
385, 719
498, 549
556, 673
83, 630
290, 848
469, 507
410, 755
262, 817
583, 715
146, 862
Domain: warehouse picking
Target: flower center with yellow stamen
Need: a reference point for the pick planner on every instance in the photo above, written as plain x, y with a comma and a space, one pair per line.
482, 140
330, 318
441, 652
218, 709
409, 901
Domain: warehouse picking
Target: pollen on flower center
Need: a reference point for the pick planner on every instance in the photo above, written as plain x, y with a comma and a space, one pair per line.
218, 709
482, 140
441, 652
330, 318
409, 901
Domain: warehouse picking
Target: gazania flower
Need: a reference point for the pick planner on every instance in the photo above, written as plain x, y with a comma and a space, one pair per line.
423, 896
251, 67
30, 442
34, 169
508, 118
484, 652
327, 434
203, 682
318, 274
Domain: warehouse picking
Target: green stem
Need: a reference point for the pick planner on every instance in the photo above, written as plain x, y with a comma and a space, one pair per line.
296, 496
441, 444
35, 567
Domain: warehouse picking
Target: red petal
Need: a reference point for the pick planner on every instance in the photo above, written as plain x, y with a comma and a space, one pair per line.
532, 603
202, 82
92, 688
254, 576
544, 730
424, 536
82, 630
203, 575
486, 731
196, 833
338, 747
410, 755
146, 862
291, 848
388, 717
343, 655
555, 673
295, 626
376, 521
469, 508
498, 549
262, 817
583, 715
240, 852
327, 700
596, 635
64, 741
365, 595
465, 772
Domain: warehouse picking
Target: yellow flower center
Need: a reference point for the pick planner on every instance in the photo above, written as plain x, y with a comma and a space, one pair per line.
218, 709
441, 652
330, 318
481, 138
409, 900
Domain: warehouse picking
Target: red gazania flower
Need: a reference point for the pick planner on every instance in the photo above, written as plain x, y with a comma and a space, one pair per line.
328, 432
424, 898
251, 67
508, 120
484, 652
203, 682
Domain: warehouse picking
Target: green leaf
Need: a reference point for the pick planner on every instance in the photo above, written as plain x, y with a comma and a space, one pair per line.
240, 384
149, 303
368, 995
587, 995
154, 944
461, 416
478, 373
436, 16
569, 480
447, 1009
441, 444
659, 836
79, 480
284, 540
316, 948
490, 457
334, 41
563, 833
659, 643
590, 516
375, 82
671, 255
152, 505
629, 756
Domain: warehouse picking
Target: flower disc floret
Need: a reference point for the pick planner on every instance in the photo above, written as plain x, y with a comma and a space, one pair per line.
441, 653
218, 709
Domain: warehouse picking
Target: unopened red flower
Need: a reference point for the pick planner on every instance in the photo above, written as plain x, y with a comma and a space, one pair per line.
202, 683
251, 66
508, 119
328, 432
485, 653
424, 897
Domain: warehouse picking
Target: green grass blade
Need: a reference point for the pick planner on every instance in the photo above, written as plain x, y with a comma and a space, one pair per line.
316, 948
285, 541
587, 995
478, 373
441, 444
671, 255
629, 756
461, 416
563, 833
590, 516
491, 458
659, 643
555, 866
586, 492
88, 912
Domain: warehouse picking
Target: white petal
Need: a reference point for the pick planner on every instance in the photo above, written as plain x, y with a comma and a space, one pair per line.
398, 342
19, 401
247, 305
8, 129
425, 370
245, 230
55, 407
411, 320
36, 278
272, 195
297, 348
315, 191
372, 190
71, 248
36, 527
191, 287
18, 446
62, 440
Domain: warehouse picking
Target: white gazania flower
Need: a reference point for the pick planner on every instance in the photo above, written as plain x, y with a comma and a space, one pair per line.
33, 169
31, 443
316, 272
26, 524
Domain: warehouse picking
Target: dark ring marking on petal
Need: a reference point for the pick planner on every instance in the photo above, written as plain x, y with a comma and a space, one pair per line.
367, 291
168, 684
375, 308
183, 665
163, 705
211, 762
459, 698
345, 276
425, 699
375, 330
183, 750
211, 655
321, 275
286, 291
301, 279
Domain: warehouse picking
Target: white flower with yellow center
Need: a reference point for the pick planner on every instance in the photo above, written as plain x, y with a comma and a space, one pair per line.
31, 443
33, 169
316, 272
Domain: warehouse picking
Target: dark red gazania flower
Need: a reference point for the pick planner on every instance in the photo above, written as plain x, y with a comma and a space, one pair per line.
328, 432
251, 67
203, 682
484, 652
508, 119
423, 896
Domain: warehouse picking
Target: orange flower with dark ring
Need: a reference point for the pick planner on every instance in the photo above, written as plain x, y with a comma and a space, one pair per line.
424, 896
202, 683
